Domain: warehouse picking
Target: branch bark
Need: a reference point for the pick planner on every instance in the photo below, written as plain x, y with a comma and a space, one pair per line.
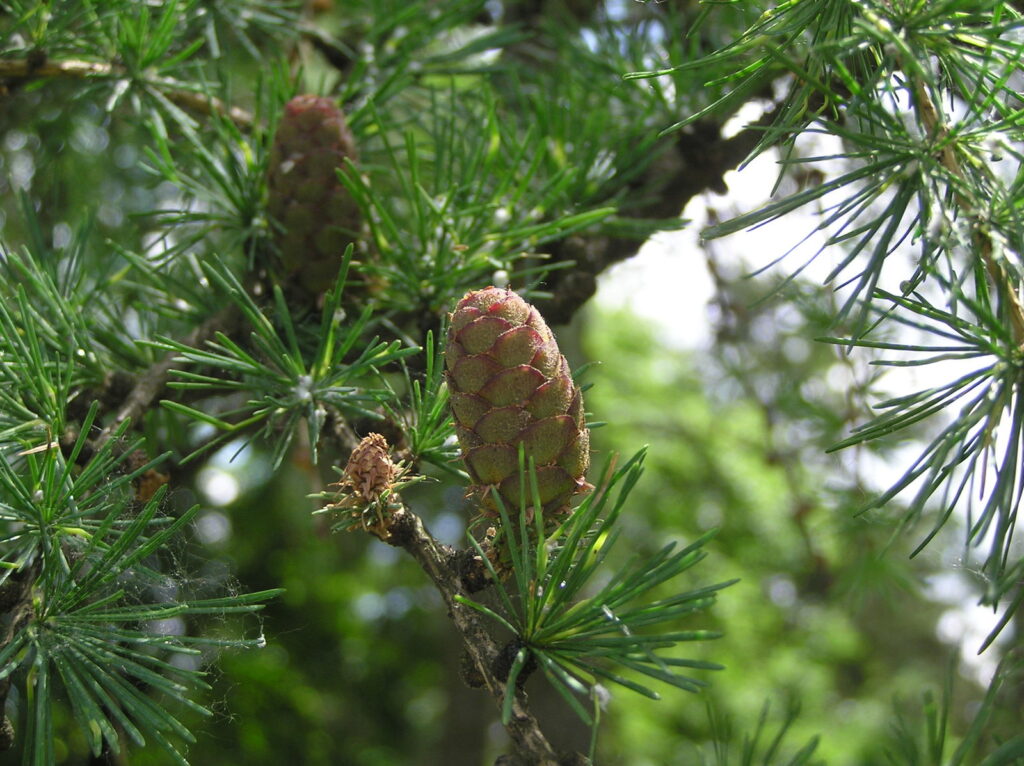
16, 602
439, 561
696, 162
936, 127
149, 386
31, 69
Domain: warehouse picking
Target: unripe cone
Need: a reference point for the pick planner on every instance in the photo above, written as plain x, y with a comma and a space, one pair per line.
314, 215
509, 386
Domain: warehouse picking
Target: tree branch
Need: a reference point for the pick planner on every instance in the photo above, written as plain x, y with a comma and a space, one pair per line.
694, 163
153, 380
440, 562
936, 127
199, 103
16, 601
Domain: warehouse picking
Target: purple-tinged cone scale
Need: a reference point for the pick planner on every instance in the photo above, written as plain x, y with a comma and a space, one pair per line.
314, 216
510, 385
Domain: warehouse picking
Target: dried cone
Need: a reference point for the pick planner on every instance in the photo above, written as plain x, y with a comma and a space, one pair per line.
368, 474
369, 470
510, 386
314, 215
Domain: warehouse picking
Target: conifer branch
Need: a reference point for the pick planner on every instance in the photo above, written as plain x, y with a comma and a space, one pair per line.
499, 143
16, 605
695, 163
440, 562
153, 381
30, 68
176, 92
937, 129
205, 105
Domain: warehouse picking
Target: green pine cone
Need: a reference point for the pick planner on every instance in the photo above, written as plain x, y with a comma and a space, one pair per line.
509, 386
314, 215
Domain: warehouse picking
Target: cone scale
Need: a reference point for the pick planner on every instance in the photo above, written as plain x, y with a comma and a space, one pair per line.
511, 386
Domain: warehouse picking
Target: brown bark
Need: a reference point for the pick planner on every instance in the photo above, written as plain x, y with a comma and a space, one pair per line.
39, 66
697, 161
440, 562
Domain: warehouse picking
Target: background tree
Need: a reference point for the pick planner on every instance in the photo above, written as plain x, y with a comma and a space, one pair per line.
191, 335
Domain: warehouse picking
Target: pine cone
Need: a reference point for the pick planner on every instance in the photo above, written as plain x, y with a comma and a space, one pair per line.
314, 215
510, 386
